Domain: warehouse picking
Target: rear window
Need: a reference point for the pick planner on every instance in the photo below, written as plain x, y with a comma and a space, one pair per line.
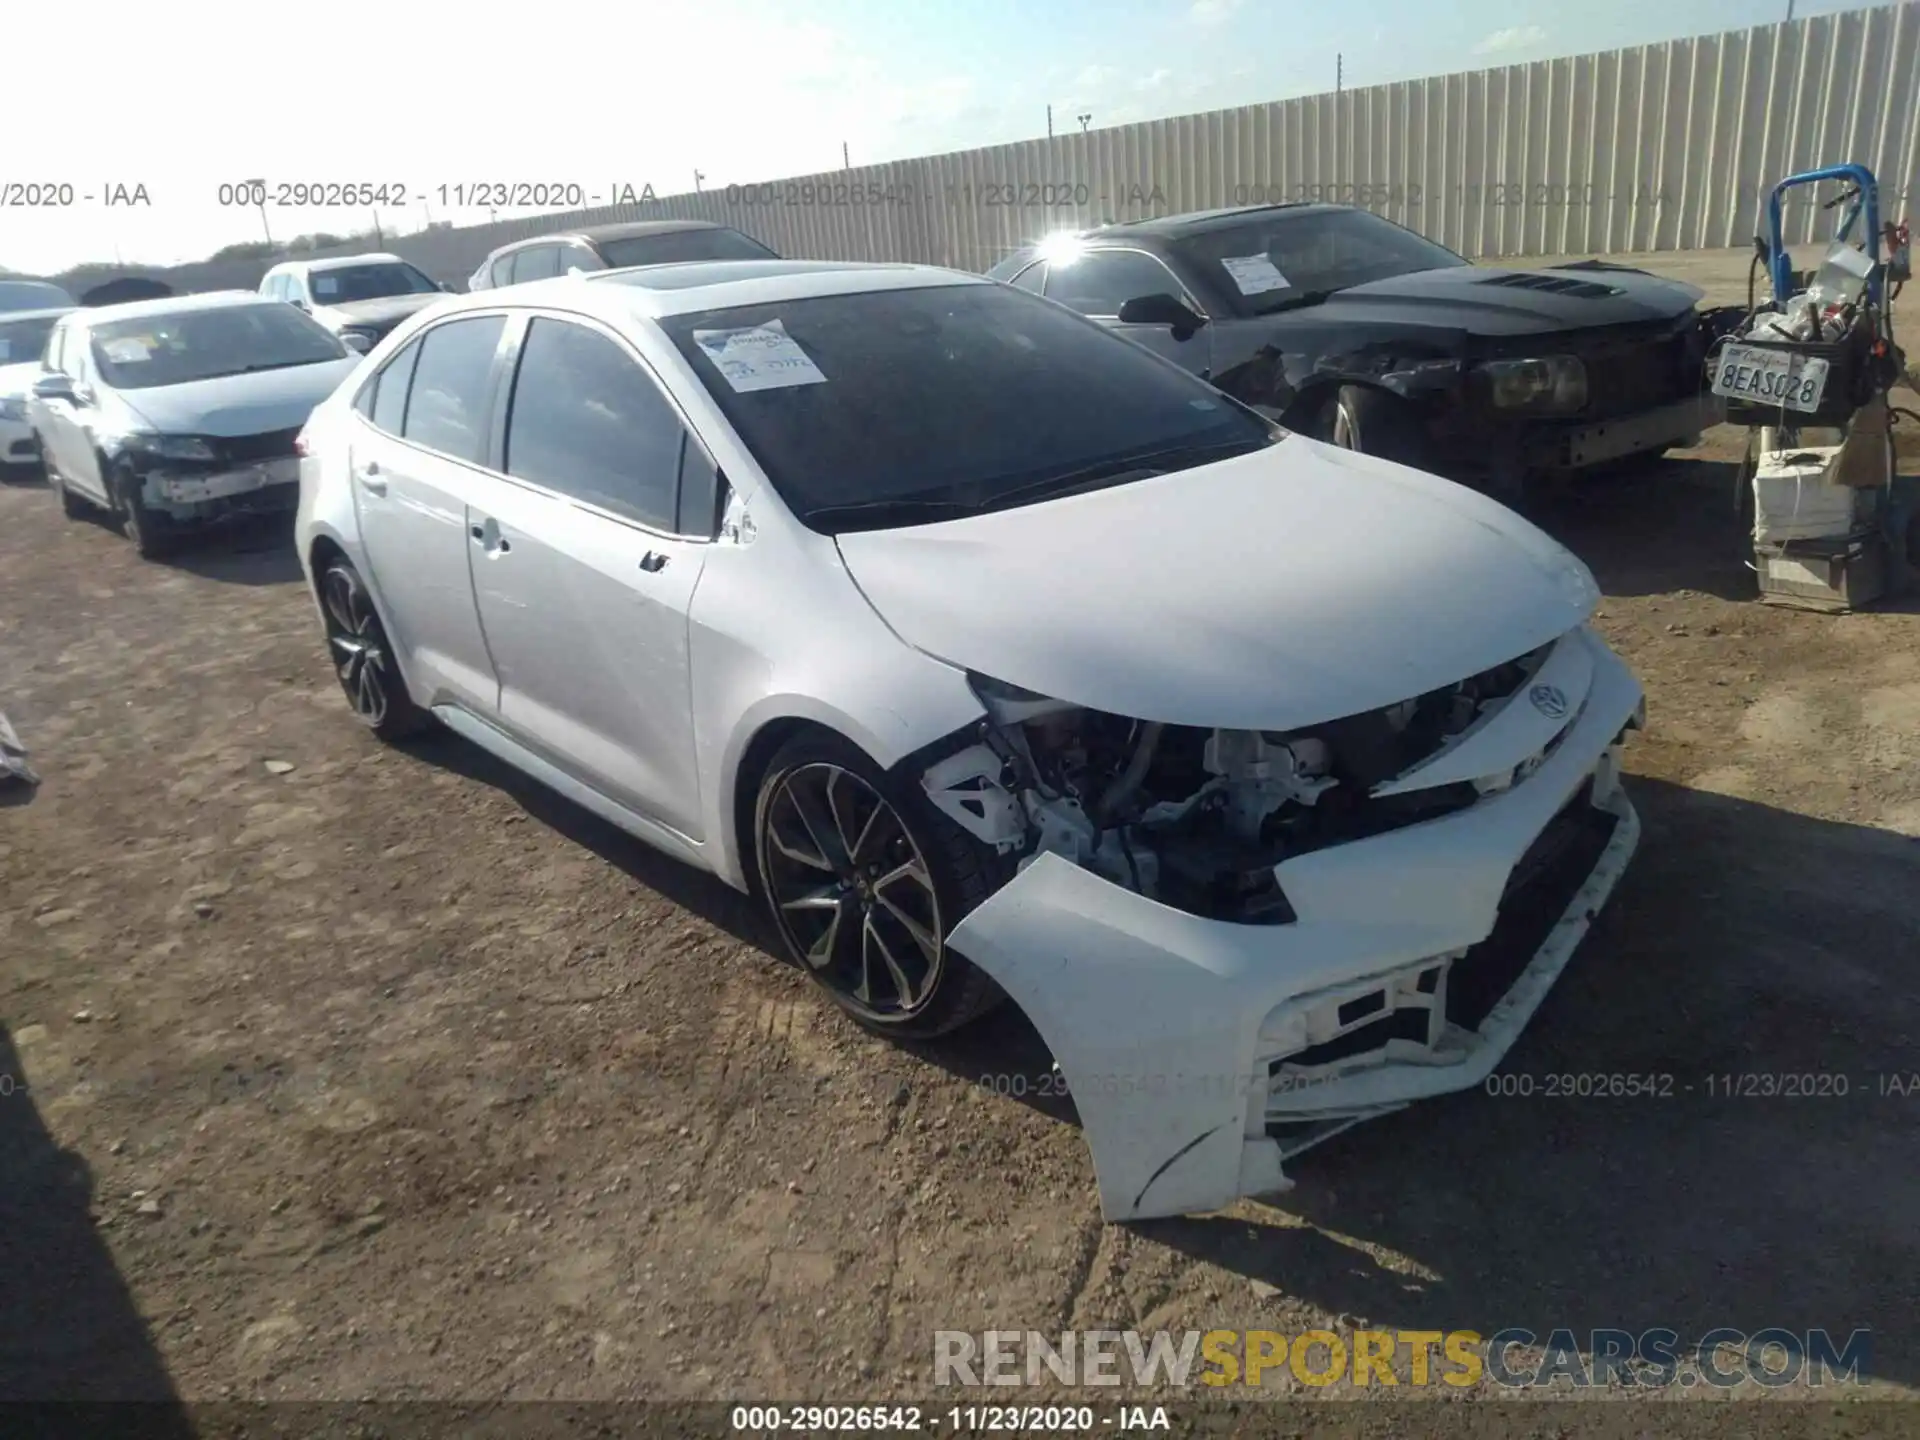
946, 395
376, 280
681, 245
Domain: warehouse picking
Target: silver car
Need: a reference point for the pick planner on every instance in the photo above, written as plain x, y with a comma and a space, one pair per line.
1275, 783
171, 412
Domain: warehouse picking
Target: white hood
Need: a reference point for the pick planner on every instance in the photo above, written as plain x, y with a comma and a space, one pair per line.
250, 404
1292, 586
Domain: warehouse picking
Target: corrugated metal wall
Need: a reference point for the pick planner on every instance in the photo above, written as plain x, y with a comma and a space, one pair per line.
1661, 147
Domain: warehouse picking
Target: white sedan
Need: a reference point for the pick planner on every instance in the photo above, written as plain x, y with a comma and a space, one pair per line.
1275, 783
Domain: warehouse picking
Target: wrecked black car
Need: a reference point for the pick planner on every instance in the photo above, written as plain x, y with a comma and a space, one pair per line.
1346, 326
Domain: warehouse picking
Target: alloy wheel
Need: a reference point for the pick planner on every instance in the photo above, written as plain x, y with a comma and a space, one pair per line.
1346, 430
851, 890
357, 644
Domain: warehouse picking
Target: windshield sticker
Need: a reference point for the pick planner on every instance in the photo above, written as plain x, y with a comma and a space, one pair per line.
132, 350
759, 357
325, 285
1254, 274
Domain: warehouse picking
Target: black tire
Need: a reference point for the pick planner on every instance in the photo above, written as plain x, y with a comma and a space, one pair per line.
883, 974
152, 533
1376, 423
363, 659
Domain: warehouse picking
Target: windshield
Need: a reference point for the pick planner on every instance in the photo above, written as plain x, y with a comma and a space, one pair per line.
24, 341
32, 295
917, 404
678, 245
202, 344
1284, 256
347, 283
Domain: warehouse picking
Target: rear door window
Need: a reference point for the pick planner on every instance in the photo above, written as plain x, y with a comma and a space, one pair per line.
389, 389
446, 406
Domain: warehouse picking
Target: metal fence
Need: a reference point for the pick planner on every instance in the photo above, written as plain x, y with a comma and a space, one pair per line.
1660, 147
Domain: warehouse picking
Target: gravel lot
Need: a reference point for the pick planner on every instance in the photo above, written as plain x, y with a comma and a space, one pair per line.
390, 1074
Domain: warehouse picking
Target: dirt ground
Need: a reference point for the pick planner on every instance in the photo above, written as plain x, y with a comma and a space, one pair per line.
389, 1074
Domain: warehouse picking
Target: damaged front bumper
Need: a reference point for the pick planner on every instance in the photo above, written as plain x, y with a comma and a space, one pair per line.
1201, 1053
194, 493
1580, 446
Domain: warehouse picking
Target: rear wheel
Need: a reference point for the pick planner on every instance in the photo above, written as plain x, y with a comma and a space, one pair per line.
865, 881
362, 659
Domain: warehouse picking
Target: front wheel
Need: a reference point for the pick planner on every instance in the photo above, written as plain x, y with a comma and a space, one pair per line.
72, 504
1375, 423
865, 881
153, 534
362, 658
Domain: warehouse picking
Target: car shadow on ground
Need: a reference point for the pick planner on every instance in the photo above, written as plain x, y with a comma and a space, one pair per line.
705, 895
69, 1330
1746, 941
246, 550
242, 550
1654, 529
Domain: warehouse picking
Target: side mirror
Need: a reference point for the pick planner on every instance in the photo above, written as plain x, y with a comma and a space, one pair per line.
356, 342
1161, 310
55, 387
446, 286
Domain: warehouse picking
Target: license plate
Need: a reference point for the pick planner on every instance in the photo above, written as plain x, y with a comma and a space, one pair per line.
1771, 377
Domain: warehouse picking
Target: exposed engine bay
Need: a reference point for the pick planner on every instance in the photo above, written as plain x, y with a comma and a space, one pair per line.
1194, 818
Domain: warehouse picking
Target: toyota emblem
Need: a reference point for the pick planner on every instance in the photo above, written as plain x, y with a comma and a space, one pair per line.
1549, 700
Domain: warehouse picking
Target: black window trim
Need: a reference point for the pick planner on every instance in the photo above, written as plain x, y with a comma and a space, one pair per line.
1184, 293
492, 387
507, 362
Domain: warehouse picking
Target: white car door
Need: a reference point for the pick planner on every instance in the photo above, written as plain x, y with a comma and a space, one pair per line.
586, 552
64, 424
413, 458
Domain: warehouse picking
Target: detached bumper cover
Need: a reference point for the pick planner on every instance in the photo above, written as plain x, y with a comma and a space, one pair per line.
1197, 1052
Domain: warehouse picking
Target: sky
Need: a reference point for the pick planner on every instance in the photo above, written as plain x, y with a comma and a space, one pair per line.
181, 98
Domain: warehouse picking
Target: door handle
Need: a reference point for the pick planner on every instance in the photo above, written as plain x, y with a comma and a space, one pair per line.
500, 544
372, 478
653, 560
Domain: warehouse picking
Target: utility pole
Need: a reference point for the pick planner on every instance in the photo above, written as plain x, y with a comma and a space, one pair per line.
1339, 117
846, 161
379, 240
698, 176
1083, 119
259, 188
1049, 122
1789, 12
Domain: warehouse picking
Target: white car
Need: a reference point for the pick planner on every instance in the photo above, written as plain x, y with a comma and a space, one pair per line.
23, 340
358, 297
171, 412
1274, 782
